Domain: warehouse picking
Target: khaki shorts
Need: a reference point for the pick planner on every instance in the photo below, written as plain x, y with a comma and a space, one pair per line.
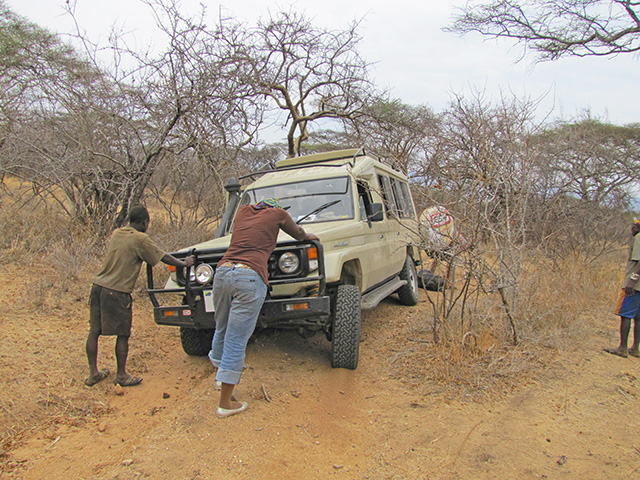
110, 312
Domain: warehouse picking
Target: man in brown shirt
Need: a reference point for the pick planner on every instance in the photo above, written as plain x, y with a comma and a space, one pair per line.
110, 300
239, 290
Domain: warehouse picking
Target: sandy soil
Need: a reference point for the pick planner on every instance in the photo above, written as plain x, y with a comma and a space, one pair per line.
576, 418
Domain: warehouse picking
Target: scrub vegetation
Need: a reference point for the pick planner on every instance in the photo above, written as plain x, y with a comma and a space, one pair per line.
545, 207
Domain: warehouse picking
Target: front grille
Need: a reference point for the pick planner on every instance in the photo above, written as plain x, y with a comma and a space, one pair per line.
213, 256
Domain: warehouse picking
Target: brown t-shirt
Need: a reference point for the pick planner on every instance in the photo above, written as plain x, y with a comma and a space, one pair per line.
255, 234
127, 250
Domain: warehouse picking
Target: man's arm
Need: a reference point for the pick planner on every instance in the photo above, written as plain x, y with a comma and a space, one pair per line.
632, 279
295, 230
171, 260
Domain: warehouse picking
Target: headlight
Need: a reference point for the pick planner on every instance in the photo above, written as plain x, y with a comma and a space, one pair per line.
204, 273
288, 262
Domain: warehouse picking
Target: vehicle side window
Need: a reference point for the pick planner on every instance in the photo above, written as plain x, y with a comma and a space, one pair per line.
387, 195
406, 191
364, 200
402, 197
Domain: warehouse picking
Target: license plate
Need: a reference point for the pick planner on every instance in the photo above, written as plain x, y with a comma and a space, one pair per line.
208, 301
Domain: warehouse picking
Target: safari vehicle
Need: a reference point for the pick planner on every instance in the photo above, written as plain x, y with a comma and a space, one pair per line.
361, 209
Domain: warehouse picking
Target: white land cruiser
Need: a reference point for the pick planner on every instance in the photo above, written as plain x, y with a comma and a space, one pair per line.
361, 209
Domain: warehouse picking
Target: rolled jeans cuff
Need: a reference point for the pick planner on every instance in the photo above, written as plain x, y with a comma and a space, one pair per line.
225, 376
214, 362
228, 376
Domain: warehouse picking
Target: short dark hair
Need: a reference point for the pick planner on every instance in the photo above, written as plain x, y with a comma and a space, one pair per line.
138, 214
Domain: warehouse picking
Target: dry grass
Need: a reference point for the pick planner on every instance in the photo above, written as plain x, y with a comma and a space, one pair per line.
476, 359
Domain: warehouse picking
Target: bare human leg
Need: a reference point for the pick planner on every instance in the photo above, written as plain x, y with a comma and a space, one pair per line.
634, 351
122, 351
622, 350
228, 405
91, 348
226, 393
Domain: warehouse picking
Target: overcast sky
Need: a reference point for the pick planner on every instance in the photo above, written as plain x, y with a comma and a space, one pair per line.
413, 57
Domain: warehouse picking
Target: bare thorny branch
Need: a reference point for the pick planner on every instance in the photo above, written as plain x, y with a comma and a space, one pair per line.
557, 28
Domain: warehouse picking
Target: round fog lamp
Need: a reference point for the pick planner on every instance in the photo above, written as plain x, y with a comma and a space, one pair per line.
204, 273
288, 262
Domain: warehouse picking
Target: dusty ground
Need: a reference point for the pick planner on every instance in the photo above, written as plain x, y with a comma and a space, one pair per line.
576, 418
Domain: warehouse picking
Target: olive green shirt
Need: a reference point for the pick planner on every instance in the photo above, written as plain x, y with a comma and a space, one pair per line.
634, 257
127, 250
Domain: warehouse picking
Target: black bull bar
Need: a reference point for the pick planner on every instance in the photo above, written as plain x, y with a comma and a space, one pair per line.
295, 311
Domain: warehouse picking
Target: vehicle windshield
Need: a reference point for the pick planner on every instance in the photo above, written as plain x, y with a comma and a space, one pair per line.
302, 198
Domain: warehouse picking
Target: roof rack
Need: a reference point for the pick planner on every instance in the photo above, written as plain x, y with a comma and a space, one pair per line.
321, 159
316, 158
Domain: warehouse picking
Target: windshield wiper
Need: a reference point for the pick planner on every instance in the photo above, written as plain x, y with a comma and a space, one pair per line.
318, 210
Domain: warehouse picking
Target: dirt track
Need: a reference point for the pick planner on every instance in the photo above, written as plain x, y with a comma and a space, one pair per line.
578, 418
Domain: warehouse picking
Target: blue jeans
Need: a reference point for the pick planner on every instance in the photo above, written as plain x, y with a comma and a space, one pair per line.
238, 295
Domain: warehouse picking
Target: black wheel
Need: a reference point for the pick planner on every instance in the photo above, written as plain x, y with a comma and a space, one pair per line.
345, 342
431, 281
409, 293
196, 341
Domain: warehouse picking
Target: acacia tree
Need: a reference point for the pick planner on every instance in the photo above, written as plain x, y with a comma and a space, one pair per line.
397, 131
98, 134
584, 190
485, 175
306, 72
557, 28
45, 85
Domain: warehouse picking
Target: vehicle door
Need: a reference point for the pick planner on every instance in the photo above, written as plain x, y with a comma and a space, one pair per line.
405, 220
375, 249
397, 210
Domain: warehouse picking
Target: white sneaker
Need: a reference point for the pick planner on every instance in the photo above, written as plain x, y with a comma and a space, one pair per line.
227, 412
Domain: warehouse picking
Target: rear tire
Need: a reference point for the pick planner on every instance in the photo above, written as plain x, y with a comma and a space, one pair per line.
409, 293
196, 341
345, 342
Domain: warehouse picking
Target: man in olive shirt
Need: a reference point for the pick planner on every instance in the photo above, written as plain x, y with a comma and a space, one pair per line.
629, 304
110, 301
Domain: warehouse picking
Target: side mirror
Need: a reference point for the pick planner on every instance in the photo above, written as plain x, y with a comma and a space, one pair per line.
376, 213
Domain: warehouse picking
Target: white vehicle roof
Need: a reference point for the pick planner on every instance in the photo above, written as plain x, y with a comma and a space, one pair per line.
324, 165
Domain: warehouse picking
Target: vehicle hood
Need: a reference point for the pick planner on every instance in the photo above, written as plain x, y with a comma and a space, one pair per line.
326, 232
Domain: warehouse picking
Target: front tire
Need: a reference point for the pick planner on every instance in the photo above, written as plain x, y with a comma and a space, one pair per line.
345, 341
196, 341
408, 293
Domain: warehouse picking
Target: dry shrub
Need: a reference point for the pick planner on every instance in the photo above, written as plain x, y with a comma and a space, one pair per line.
173, 237
475, 358
71, 258
561, 303
35, 230
26, 233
